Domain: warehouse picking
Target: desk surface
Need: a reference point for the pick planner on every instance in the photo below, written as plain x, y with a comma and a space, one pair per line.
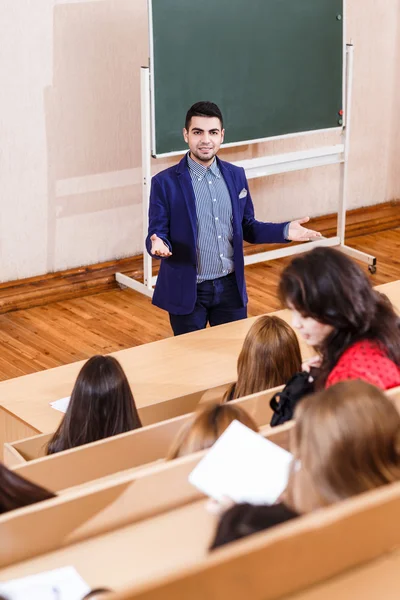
166, 544
132, 555
157, 372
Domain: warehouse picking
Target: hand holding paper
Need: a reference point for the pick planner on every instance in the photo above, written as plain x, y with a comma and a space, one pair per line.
243, 466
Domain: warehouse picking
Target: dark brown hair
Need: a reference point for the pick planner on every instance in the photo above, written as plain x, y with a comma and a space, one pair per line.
347, 439
101, 405
96, 592
16, 492
245, 519
326, 285
207, 425
270, 356
204, 108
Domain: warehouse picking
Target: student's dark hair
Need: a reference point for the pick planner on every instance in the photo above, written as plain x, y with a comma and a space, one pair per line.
203, 109
96, 592
16, 492
101, 405
244, 519
331, 288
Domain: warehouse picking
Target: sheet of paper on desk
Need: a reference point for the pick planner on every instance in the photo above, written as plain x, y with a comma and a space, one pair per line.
61, 404
59, 584
243, 466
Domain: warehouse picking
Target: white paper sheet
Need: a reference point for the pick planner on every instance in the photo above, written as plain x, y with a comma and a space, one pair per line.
243, 466
61, 404
60, 584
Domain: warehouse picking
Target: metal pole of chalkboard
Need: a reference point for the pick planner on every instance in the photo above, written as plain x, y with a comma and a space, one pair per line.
146, 287
146, 168
341, 222
259, 168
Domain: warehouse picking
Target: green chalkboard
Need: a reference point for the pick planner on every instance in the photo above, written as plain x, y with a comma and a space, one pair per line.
274, 67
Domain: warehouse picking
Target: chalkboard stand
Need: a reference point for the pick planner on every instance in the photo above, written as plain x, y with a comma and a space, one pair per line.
260, 167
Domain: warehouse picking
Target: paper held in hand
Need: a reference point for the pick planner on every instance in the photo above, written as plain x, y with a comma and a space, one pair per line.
243, 466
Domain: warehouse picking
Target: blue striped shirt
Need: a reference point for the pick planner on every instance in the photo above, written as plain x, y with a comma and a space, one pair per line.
214, 221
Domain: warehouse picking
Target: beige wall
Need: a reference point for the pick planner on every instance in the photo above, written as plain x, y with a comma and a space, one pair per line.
394, 176
70, 131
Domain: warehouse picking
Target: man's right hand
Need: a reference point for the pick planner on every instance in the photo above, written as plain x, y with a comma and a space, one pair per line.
159, 247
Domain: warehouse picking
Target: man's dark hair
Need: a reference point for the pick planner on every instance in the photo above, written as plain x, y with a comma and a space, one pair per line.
203, 109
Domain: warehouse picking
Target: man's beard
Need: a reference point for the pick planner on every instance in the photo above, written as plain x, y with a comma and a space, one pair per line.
202, 158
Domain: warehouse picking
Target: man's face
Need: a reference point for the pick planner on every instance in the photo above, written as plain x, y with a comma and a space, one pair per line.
204, 138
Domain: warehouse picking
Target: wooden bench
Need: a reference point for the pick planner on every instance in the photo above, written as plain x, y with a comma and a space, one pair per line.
168, 377
131, 450
125, 451
126, 498
353, 547
81, 513
163, 554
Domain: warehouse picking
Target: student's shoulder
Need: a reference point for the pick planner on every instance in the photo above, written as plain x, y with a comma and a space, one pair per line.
366, 360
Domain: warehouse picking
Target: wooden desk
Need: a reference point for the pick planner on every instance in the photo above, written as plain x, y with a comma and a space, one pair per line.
378, 579
131, 450
165, 557
158, 373
135, 554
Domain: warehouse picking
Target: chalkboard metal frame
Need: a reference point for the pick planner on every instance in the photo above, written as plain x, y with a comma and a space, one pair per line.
261, 167
156, 153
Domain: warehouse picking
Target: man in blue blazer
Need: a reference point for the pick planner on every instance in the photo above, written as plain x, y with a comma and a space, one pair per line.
200, 212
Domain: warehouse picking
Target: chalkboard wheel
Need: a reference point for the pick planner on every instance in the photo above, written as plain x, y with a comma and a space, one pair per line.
122, 286
372, 269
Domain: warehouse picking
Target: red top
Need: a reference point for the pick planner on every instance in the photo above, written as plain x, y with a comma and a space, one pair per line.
366, 360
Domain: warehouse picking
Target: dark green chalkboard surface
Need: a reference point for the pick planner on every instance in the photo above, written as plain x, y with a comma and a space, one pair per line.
273, 66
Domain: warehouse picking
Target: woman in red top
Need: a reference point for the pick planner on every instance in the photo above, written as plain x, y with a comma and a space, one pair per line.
354, 328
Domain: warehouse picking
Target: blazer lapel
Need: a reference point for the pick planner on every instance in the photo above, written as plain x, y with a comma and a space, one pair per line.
226, 172
188, 193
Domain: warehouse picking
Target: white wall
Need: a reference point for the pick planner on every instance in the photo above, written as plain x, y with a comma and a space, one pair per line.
393, 191
70, 131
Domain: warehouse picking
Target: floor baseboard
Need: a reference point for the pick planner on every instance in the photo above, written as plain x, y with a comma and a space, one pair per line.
93, 279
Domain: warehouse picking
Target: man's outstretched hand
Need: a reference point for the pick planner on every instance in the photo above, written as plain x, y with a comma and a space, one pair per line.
298, 233
159, 247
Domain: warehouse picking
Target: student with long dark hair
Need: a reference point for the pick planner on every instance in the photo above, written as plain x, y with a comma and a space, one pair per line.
270, 356
354, 328
101, 405
346, 441
16, 492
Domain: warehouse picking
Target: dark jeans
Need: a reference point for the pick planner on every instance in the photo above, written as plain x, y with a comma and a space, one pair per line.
218, 301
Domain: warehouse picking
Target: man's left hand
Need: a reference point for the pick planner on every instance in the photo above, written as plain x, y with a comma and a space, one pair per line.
298, 233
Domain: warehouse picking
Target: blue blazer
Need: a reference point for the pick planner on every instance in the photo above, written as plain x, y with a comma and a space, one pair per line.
172, 216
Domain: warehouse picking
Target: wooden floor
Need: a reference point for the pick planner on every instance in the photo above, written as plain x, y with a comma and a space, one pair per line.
62, 332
